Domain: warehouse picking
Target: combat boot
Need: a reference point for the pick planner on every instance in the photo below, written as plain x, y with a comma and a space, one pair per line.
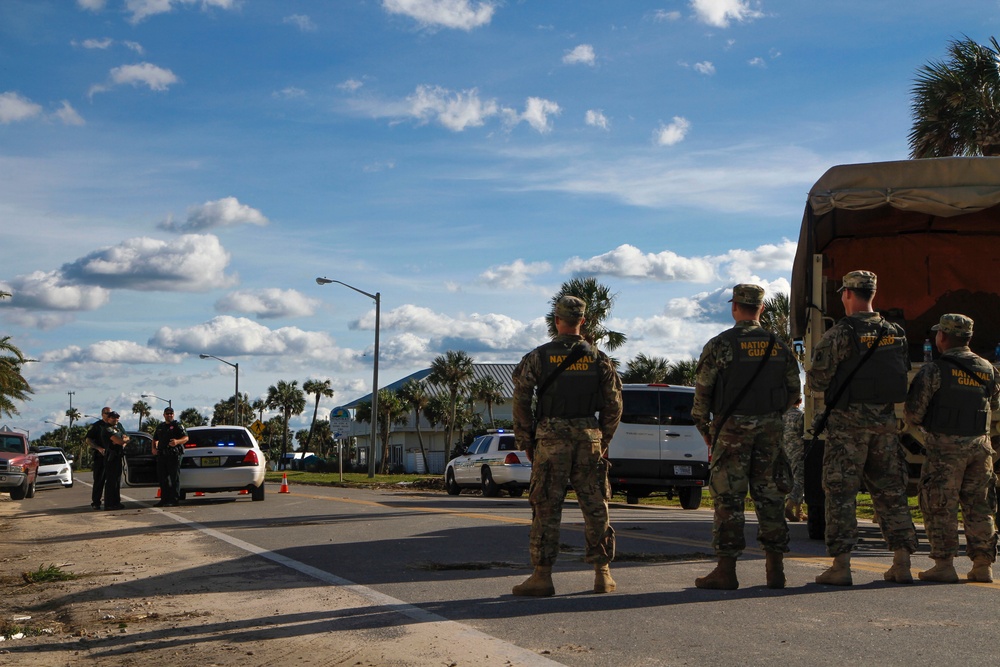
900, 570
539, 584
723, 577
774, 567
793, 511
982, 570
839, 574
943, 571
603, 583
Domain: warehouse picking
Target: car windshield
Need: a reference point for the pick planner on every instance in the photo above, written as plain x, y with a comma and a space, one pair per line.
51, 459
11, 444
219, 438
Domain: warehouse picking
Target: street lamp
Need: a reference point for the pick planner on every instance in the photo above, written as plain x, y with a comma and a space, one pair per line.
236, 398
26, 431
170, 403
378, 301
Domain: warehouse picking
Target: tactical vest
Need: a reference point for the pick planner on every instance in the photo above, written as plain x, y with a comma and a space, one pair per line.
882, 379
769, 392
961, 404
577, 390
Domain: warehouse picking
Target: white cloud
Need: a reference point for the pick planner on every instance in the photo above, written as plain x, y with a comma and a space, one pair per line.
757, 62
661, 15
475, 332
226, 335
97, 43
581, 55
135, 46
350, 85
225, 212
111, 352
68, 115
268, 303
459, 14
189, 263
596, 118
91, 5
674, 133
536, 114
14, 108
156, 78
704, 67
455, 111
143, 9
515, 275
43, 290
289, 93
300, 21
719, 13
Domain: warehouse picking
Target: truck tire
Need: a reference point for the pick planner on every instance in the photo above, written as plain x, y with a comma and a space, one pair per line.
690, 497
19, 492
31, 491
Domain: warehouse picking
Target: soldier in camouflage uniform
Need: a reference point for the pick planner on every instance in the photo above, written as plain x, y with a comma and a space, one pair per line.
745, 435
950, 400
862, 435
567, 444
794, 446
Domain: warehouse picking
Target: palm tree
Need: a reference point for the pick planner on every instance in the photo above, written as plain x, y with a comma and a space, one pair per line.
320, 388
391, 410
191, 417
258, 406
956, 103
415, 396
489, 390
775, 317
599, 300
13, 386
682, 372
222, 412
287, 398
452, 370
646, 370
142, 409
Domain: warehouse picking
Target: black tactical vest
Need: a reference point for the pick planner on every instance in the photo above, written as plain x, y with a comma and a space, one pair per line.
769, 392
882, 379
961, 404
576, 392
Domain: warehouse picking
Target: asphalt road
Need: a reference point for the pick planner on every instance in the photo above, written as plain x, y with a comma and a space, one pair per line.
425, 555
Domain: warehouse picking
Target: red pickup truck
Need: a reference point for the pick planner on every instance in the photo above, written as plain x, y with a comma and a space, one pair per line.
18, 465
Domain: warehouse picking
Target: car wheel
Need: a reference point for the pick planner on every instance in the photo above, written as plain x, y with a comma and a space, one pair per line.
490, 488
450, 485
257, 493
631, 498
31, 491
516, 492
19, 492
690, 497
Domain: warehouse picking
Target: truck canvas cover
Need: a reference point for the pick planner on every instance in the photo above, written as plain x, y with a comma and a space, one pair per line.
929, 228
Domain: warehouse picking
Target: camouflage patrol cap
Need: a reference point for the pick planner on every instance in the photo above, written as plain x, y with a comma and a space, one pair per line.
570, 308
859, 280
954, 325
748, 294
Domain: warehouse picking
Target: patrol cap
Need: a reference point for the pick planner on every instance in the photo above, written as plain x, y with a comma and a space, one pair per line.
570, 308
748, 294
114, 415
954, 324
859, 280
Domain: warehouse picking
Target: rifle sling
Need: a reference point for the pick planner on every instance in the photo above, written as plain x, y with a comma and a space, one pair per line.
743, 392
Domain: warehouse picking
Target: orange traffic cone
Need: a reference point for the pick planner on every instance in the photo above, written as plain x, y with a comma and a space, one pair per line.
284, 483
198, 493
243, 492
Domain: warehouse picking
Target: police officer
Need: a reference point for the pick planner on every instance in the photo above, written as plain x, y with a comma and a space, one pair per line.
169, 439
862, 435
746, 379
567, 444
93, 440
113, 440
950, 400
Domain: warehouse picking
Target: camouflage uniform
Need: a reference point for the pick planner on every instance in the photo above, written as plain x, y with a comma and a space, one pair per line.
862, 446
745, 452
567, 451
959, 468
795, 451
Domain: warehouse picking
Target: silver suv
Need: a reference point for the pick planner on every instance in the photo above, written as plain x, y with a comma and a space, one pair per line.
657, 447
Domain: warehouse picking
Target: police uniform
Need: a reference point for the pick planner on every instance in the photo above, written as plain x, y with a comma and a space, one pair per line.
747, 447
114, 456
951, 400
168, 460
862, 435
566, 435
93, 438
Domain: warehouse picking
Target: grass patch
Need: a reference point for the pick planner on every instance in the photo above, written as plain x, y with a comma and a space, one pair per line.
47, 573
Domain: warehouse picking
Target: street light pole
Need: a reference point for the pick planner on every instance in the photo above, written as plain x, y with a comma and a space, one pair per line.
170, 403
236, 398
378, 302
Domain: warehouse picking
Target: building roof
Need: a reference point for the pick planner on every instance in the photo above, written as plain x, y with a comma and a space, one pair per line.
501, 372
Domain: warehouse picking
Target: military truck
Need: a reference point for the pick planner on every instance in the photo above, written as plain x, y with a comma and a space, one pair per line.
929, 228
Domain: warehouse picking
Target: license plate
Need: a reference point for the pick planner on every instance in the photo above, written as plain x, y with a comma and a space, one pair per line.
210, 462
682, 471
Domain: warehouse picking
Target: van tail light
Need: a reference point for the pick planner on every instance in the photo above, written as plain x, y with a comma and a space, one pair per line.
511, 459
250, 459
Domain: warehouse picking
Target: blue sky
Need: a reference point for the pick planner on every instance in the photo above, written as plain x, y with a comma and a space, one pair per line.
174, 175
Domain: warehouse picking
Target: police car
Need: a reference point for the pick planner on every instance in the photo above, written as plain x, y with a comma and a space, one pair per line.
490, 463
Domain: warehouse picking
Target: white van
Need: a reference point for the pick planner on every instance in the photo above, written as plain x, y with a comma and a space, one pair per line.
657, 447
